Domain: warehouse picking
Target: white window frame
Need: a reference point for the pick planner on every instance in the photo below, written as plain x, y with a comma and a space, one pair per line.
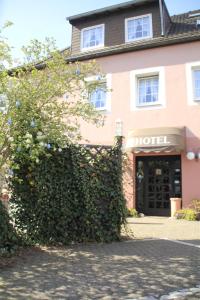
141, 38
145, 73
190, 67
108, 82
93, 47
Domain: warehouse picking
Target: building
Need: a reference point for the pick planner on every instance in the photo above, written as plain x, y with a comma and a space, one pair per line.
152, 66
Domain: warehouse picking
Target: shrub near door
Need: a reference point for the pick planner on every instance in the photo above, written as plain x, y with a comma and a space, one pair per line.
187, 214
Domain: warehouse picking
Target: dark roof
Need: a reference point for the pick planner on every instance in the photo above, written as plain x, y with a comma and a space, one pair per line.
183, 29
184, 23
107, 9
39, 65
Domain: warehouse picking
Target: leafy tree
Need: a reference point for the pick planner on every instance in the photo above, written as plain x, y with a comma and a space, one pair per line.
42, 102
4, 48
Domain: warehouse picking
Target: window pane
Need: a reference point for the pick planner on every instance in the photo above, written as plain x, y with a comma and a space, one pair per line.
146, 20
138, 28
86, 38
98, 97
148, 90
3, 103
97, 104
197, 84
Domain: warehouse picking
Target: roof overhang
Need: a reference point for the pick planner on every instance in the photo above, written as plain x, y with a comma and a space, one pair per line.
136, 46
160, 139
109, 9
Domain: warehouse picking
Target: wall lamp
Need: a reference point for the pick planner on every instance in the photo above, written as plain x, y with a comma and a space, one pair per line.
118, 128
191, 155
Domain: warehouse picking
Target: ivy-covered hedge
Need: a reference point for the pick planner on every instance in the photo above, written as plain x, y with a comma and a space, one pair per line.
72, 196
9, 240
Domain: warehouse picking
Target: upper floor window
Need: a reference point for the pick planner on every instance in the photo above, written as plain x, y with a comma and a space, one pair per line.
138, 28
193, 82
92, 37
148, 90
98, 97
196, 83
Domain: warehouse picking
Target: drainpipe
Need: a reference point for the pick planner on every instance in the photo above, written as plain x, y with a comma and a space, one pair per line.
161, 17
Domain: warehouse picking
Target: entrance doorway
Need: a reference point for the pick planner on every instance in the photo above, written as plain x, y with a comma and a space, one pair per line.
158, 178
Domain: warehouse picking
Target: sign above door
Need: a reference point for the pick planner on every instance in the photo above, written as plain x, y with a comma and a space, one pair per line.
166, 139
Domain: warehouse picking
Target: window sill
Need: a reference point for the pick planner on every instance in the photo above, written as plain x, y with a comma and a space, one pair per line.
139, 39
149, 107
101, 109
149, 104
92, 48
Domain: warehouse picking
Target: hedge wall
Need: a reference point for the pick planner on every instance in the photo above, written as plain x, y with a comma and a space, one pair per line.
9, 240
72, 196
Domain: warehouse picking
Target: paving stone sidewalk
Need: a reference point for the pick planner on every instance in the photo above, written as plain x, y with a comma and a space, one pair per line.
163, 227
140, 269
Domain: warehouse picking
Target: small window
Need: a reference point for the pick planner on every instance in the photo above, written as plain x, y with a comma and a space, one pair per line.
148, 91
193, 82
196, 84
138, 28
98, 97
148, 88
92, 37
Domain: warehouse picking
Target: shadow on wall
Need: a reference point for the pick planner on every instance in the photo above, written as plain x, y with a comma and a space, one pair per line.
192, 141
93, 271
128, 180
191, 169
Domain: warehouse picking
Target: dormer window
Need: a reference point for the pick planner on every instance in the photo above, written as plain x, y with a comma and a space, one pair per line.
138, 28
92, 37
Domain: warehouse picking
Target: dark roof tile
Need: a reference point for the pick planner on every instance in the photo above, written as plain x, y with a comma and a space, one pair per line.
184, 23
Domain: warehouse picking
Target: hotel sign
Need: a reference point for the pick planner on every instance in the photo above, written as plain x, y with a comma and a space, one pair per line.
151, 141
155, 139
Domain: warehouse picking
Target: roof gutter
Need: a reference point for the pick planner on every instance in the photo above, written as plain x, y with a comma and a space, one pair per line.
159, 42
107, 9
161, 18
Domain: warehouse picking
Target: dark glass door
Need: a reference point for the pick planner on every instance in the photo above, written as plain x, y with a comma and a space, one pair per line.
158, 178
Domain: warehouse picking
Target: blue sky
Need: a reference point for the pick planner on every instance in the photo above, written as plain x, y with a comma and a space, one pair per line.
47, 18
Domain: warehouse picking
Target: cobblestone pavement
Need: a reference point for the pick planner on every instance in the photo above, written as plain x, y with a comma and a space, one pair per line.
162, 227
139, 269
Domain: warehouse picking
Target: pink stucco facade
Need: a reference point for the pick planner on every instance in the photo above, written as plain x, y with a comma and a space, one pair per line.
177, 111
